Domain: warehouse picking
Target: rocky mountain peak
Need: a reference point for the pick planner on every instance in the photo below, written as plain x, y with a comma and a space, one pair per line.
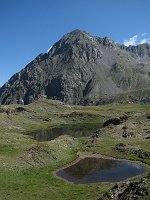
77, 44
81, 44
78, 34
80, 69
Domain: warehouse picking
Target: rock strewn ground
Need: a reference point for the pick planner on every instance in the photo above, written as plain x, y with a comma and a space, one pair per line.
129, 190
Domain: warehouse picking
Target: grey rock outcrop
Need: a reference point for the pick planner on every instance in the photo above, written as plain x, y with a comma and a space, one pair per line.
81, 69
129, 190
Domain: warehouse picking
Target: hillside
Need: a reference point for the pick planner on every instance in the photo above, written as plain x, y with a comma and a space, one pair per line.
82, 69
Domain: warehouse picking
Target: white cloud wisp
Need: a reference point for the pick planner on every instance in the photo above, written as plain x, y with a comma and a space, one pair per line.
131, 41
146, 40
137, 39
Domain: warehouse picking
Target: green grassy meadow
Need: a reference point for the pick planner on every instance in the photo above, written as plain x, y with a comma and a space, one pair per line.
27, 166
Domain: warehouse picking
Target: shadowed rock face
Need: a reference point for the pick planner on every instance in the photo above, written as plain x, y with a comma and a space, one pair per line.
81, 69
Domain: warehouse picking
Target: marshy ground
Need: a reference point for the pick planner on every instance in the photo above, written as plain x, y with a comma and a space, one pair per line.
27, 166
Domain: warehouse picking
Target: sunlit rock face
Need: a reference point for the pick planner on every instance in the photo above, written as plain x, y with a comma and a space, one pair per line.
81, 69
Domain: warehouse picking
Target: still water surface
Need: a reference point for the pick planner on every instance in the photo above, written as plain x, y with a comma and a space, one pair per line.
78, 130
93, 170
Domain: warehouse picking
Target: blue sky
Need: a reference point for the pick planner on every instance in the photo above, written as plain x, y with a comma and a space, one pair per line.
30, 27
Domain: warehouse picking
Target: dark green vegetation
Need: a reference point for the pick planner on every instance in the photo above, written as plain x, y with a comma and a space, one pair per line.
27, 166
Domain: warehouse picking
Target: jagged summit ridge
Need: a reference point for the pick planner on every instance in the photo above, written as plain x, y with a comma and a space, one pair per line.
80, 69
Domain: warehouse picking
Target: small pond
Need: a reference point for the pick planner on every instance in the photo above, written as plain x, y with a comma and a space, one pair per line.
93, 170
78, 130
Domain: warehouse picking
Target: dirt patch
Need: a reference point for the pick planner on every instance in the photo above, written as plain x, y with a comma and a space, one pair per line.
37, 156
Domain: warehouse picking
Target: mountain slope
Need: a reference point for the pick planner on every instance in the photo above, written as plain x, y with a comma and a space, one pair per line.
80, 69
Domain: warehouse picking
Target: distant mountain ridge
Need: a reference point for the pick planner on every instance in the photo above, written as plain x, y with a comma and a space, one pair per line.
82, 69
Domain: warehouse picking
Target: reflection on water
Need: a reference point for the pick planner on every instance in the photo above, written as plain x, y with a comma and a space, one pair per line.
92, 170
74, 131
